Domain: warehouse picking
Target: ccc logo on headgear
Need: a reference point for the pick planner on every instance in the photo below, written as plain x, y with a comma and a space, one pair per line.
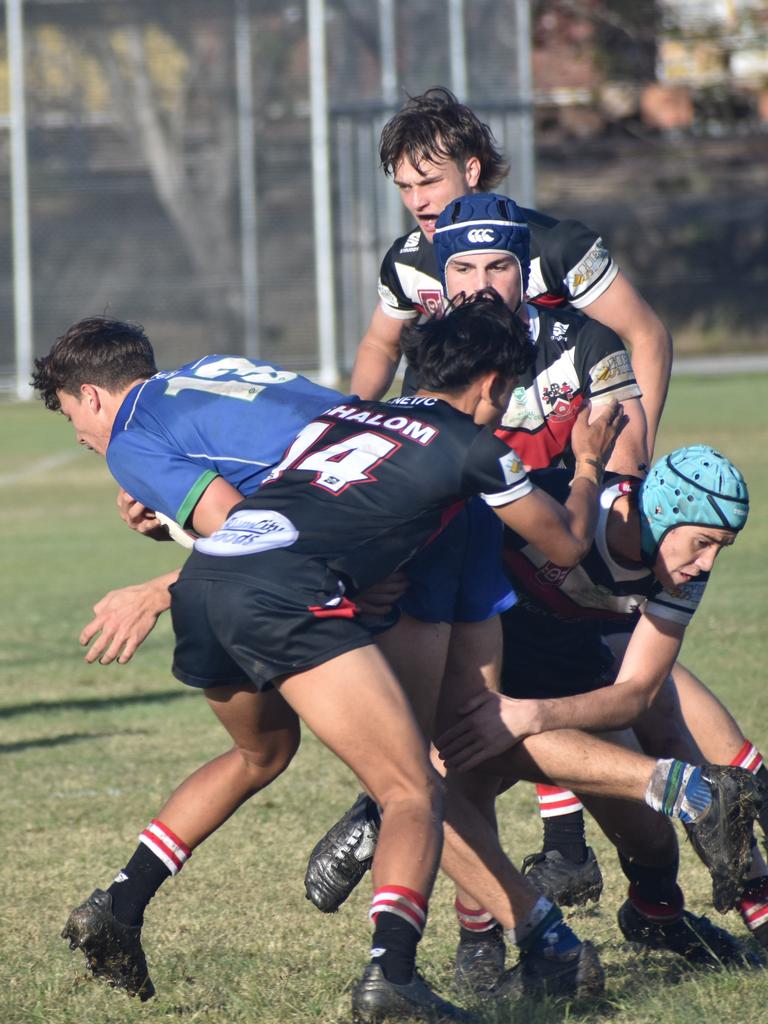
479, 235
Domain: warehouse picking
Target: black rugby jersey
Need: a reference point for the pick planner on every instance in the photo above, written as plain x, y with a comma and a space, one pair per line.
598, 588
569, 264
576, 359
365, 486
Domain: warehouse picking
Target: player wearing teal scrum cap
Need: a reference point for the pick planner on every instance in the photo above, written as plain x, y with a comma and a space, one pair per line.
694, 486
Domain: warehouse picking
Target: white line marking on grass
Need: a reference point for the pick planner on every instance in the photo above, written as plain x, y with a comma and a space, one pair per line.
41, 466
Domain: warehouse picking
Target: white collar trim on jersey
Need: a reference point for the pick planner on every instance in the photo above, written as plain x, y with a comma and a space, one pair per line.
619, 572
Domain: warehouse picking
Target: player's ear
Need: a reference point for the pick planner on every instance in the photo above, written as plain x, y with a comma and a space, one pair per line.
498, 390
472, 171
90, 394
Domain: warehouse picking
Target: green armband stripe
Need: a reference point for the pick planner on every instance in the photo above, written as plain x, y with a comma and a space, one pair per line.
193, 496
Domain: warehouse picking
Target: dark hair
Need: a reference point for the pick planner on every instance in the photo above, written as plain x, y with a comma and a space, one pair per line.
108, 353
476, 335
435, 126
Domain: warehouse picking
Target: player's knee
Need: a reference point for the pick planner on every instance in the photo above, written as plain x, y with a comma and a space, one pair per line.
272, 756
422, 793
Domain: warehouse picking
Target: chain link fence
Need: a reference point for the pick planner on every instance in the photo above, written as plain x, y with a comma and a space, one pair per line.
169, 162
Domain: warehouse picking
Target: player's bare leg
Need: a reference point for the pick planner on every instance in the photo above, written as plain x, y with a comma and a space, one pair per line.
266, 735
416, 651
107, 926
356, 707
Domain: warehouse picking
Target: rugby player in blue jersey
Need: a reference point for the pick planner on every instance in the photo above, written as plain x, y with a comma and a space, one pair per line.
164, 847
105, 402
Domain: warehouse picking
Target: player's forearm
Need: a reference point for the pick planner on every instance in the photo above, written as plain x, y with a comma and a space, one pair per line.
652, 364
373, 372
611, 707
581, 510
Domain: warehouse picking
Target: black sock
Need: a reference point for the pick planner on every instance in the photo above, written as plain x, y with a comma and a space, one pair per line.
565, 833
653, 887
397, 940
495, 934
136, 884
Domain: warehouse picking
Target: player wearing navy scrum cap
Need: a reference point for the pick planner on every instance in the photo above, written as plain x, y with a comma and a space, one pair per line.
436, 149
484, 223
481, 240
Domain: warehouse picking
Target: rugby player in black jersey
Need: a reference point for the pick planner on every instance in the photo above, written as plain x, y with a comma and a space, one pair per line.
266, 601
577, 359
479, 245
653, 553
361, 449
436, 149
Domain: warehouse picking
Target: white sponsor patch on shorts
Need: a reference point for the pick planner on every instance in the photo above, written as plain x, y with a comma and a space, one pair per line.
247, 532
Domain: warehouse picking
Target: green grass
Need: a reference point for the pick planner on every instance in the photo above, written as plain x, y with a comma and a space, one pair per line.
89, 753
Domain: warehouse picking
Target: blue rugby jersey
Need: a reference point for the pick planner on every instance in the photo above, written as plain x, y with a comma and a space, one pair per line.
220, 416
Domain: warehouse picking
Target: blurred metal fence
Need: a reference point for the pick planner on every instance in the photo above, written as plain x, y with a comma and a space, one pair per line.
170, 150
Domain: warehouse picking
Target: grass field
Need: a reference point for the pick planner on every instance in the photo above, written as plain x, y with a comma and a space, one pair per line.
89, 753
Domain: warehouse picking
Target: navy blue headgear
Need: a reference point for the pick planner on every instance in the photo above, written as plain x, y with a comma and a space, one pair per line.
483, 222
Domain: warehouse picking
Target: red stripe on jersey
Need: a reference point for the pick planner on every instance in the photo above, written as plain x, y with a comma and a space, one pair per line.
548, 301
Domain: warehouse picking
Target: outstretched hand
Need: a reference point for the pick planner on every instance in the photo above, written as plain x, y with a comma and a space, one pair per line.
123, 620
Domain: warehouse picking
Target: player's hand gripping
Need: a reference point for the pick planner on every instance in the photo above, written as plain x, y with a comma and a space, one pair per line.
595, 432
139, 517
124, 618
490, 724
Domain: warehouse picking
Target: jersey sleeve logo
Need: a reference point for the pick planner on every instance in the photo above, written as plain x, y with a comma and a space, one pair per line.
511, 467
387, 295
613, 369
589, 268
247, 532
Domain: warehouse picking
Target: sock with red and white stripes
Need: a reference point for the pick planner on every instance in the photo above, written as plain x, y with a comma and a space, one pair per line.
562, 814
749, 757
753, 907
159, 855
474, 924
399, 915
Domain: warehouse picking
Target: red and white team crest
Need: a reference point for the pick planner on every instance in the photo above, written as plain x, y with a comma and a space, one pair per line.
431, 301
561, 410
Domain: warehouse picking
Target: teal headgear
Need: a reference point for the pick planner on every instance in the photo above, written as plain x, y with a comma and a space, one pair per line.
694, 486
